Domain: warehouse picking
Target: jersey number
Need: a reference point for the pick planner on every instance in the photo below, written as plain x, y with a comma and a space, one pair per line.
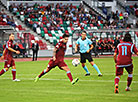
124, 50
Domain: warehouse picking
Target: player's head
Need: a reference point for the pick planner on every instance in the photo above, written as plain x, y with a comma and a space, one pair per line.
11, 36
83, 34
127, 37
65, 38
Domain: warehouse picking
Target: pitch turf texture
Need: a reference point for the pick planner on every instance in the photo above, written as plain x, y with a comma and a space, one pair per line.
55, 86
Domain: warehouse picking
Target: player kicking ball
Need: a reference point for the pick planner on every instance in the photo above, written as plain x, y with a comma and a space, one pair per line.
58, 60
123, 60
7, 56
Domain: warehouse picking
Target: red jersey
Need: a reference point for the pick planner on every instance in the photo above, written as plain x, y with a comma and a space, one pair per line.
124, 51
61, 48
8, 54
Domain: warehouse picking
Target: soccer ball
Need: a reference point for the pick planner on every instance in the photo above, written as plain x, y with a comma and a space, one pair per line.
75, 62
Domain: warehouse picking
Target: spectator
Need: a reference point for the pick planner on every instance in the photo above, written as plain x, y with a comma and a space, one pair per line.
16, 47
137, 24
116, 42
135, 6
35, 48
121, 16
125, 14
94, 46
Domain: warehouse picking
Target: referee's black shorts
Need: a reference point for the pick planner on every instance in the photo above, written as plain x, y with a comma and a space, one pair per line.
84, 56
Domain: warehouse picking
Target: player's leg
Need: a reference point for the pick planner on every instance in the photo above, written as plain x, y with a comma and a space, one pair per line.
119, 72
6, 67
96, 68
86, 69
130, 77
3, 71
65, 68
117, 78
83, 61
14, 73
49, 67
89, 57
44, 72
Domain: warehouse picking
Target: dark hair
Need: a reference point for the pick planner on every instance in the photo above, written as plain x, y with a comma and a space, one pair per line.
65, 35
11, 34
127, 37
84, 31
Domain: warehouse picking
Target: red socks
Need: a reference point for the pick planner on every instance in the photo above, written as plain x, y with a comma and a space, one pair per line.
42, 73
14, 73
129, 80
2, 71
117, 80
69, 76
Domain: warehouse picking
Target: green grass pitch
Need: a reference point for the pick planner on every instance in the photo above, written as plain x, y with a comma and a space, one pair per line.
55, 86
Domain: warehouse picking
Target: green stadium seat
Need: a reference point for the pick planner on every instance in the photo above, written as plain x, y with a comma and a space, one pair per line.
55, 42
49, 32
42, 34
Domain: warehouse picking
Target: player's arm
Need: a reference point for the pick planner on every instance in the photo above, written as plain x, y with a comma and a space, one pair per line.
76, 48
54, 54
135, 50
115, 55
12, 50
91, 47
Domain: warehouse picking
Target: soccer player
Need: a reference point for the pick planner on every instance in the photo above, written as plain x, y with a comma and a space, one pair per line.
86, 46
58, 60
7, 55
123, 60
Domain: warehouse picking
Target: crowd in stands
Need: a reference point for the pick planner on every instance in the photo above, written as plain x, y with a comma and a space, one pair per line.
53, 20
118, 20
135, 9
105, 45
6, 20
59, 17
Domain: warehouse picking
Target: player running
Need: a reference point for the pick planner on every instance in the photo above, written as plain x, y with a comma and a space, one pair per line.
123, 60
7, 56
86, 46
58, 60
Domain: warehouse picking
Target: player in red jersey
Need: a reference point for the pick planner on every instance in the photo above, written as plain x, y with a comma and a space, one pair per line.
123, 60
58, 60
7, 56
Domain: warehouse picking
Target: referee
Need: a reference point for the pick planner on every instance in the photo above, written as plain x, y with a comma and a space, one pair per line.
86, 46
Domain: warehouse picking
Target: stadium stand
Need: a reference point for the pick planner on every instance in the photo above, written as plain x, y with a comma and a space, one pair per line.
51, 21
6, 20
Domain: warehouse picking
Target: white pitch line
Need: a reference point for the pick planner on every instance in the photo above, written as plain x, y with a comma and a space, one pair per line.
65, 73
68, 80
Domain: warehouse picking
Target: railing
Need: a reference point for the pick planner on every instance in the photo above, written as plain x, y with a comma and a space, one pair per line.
93, 4
5, 27
7, 3
123, 5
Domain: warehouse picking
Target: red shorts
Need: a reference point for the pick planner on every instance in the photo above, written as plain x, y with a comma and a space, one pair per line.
9, 63
119, 70
53, 64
